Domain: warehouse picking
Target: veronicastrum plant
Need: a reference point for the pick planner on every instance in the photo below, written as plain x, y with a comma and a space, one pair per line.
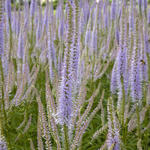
74, 77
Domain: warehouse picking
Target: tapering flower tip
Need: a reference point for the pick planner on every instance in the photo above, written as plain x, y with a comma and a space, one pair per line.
117, 35
106, 15
114, 79
131, 15
81, 3
20, 51
26, 15
122, 62
32, 8
113, 10
140, 3
61, 29
148, 20
86, 11
3, 145
46, 20
94, 40
18, 22
145, 5
8, 9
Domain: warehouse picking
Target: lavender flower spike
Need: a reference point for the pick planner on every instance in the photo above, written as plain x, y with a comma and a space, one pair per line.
136, 91
65, 100
140, 5
32, 8
113, 10
76, 41
3, 145
20, 47
8, 9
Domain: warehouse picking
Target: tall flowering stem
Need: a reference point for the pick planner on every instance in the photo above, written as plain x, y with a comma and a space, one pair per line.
113, 139
76, 41
136, 91
65, 100
8, 10
65, 103
3, 121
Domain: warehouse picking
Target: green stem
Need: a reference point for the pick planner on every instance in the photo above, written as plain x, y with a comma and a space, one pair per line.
138, 122
66, 138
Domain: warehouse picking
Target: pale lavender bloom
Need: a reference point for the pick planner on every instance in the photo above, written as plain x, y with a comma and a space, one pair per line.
61, 29
114, 85
81, 3
121, 72
3, 145
65, 100
146, 41
144, 67
88, 32
145, 5
32, 8
140, 2
116, 134
148, 17
20, 52
87, 37
131, 15
120, 68
60, 63
51, 17
39, 24
113, 131
8, 9
136, 91
117, 35
143, 60
14, 24
113, 10
86, 11
59, 13
38, 31
45, 21
106, 15
51, 47
122, 57
94, 41
37, 18
26, 14
100, 13
18, 22
76, 40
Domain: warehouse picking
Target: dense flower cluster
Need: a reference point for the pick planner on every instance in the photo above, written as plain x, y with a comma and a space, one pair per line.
74, 74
